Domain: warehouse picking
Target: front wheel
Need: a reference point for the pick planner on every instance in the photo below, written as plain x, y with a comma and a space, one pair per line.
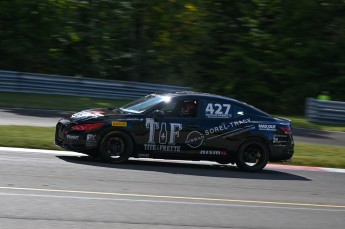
116, 147
252, 156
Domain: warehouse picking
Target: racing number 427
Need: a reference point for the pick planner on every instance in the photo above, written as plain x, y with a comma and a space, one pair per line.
217, 109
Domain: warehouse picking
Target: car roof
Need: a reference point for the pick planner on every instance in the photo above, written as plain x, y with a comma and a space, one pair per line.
211, 96
200, 94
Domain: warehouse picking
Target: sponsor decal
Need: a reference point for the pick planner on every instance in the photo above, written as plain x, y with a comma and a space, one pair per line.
91, 137
214, 152
84, 114
226, 126
267, 127
163, 138
194, 139
63, 121
72, 137
280, 136
90, 141
165, 148
279, 140
115, 123
144, 155
238, 131
279, 145
217, 110
174, 131
166, 141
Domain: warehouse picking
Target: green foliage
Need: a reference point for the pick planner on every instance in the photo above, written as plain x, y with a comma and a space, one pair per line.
269, 53
274, 54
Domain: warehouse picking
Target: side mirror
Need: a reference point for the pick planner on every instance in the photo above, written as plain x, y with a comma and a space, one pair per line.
158, 114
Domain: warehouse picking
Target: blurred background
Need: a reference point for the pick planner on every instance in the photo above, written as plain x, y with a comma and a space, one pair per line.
286, 57
269, 53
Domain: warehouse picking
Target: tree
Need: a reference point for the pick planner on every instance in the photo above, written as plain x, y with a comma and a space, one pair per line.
269, 53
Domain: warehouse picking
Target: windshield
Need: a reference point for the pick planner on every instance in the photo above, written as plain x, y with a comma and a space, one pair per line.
145, 103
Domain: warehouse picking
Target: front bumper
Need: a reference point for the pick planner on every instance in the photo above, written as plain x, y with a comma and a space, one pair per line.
77, 141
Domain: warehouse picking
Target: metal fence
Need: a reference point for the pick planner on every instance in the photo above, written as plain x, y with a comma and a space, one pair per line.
331, 112
79, 86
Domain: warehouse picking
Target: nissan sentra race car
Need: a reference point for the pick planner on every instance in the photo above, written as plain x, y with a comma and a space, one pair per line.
182, 126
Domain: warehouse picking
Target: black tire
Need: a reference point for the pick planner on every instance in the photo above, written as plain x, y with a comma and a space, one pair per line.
252, 156
116, 147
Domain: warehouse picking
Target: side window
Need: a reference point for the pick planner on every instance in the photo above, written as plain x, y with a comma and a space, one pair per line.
169, 109
214, 109
238, 111
181, 108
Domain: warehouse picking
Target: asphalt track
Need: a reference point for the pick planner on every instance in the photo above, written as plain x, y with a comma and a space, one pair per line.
33, 117
59, 189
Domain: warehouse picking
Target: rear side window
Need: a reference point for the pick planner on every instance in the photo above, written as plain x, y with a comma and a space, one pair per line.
257, 112
239, 111
244, 109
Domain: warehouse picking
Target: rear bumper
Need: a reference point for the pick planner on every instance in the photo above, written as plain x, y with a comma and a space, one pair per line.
281, 153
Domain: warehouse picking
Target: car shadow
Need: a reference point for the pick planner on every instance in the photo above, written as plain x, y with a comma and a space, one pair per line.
207, 170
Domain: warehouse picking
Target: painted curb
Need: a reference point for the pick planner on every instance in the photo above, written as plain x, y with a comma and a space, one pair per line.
305, 168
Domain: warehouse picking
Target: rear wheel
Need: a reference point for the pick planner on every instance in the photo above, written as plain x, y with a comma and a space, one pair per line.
252, 156
116, 147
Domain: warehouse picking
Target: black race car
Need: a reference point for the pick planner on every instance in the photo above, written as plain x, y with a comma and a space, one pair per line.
181, 125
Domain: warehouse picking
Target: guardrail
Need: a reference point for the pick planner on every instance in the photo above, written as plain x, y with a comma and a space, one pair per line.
321, 111
79, 86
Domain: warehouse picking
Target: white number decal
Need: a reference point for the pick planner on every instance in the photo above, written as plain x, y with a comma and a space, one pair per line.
227, 108
209, 109
218, 110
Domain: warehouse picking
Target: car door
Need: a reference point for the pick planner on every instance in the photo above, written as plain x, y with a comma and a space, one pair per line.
172, 133
224, 123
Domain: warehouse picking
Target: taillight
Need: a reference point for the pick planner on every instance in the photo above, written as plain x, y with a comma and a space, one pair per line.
286, 129
91, 126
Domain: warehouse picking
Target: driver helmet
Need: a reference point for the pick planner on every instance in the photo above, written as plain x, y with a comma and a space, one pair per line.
189, 108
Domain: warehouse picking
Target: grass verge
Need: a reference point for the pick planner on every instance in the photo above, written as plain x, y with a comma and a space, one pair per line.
43, 138
319, 155
28, 137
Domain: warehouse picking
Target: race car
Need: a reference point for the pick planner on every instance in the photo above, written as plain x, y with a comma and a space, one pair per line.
181, 126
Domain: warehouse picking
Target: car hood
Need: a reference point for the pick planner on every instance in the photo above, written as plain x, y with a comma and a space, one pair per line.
93, 113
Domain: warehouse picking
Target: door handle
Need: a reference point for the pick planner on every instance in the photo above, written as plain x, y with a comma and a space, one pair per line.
193, 126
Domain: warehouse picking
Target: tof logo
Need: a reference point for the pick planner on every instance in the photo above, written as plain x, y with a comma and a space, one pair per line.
163, 134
